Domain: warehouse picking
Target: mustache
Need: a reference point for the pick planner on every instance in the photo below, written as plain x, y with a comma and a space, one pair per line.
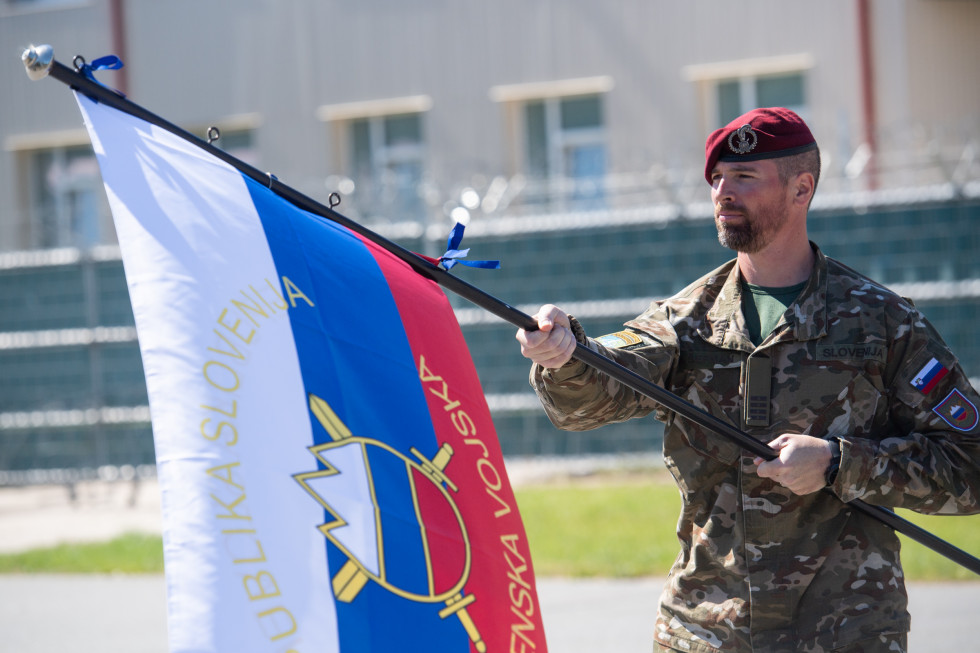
728, 207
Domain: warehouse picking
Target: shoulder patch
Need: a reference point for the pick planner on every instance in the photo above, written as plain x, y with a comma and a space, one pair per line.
619, 340
929, 376
958, 411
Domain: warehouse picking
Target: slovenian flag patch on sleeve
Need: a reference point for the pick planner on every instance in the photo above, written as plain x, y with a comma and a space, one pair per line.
929, 376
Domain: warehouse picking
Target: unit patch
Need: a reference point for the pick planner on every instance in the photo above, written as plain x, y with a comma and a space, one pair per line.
958, 411
620, 340
929, 376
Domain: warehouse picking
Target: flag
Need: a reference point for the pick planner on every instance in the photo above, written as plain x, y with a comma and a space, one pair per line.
330, 475
929, 376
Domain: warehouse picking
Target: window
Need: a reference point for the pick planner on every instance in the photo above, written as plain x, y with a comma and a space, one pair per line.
558, 141
727, 89
68, 202
738, 96
240, 143
566, 151
380, 156
387, 164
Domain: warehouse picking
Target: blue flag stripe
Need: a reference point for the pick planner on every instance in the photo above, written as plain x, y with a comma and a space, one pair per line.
354, 330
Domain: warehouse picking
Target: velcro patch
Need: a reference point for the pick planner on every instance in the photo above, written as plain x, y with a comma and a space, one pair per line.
958, 411
845, 352
619, 340
929, 376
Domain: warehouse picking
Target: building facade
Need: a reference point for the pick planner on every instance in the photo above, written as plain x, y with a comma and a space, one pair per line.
568, 135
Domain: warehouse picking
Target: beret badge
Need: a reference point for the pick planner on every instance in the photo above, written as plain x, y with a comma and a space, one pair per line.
747, 140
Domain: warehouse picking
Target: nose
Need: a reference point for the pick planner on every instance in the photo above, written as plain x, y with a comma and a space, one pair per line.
721, 188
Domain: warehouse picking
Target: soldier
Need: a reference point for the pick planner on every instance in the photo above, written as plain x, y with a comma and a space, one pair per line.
846, 380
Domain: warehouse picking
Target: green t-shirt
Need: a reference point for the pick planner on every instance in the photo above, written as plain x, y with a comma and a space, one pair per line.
763, 307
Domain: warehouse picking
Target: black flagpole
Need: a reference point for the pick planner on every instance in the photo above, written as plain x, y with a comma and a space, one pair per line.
40, 63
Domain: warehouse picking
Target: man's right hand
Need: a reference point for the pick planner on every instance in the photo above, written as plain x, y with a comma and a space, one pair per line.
553, 344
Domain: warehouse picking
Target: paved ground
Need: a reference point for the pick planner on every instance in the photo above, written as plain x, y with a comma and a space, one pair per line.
127, 614
36, 516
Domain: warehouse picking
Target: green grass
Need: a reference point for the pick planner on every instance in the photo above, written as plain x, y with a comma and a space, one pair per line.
625, 529
129, 554
616, 529
603, 527
922, 563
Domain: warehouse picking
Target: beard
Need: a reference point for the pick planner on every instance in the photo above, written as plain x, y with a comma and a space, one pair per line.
756, 230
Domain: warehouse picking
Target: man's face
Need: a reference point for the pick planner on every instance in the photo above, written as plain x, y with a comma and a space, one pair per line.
750, 204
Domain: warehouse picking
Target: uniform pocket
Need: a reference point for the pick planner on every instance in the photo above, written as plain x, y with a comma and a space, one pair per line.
851, 412
702, 440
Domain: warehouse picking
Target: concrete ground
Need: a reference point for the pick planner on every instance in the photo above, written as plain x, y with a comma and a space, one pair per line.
91, 511
127, 614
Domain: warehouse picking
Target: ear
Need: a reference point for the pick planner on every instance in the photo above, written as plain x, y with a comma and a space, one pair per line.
803, 187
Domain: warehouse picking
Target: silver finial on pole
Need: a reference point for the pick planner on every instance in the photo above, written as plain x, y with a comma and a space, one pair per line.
37, 60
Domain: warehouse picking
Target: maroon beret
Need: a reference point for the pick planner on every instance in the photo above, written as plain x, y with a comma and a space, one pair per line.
759, 134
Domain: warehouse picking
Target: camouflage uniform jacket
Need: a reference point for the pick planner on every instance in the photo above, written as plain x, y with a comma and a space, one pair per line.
760, 568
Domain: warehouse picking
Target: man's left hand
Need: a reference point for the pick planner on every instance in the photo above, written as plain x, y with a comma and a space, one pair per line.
801, 465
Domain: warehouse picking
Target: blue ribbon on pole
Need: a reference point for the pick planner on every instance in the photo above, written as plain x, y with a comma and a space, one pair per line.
455, 255
108, 62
